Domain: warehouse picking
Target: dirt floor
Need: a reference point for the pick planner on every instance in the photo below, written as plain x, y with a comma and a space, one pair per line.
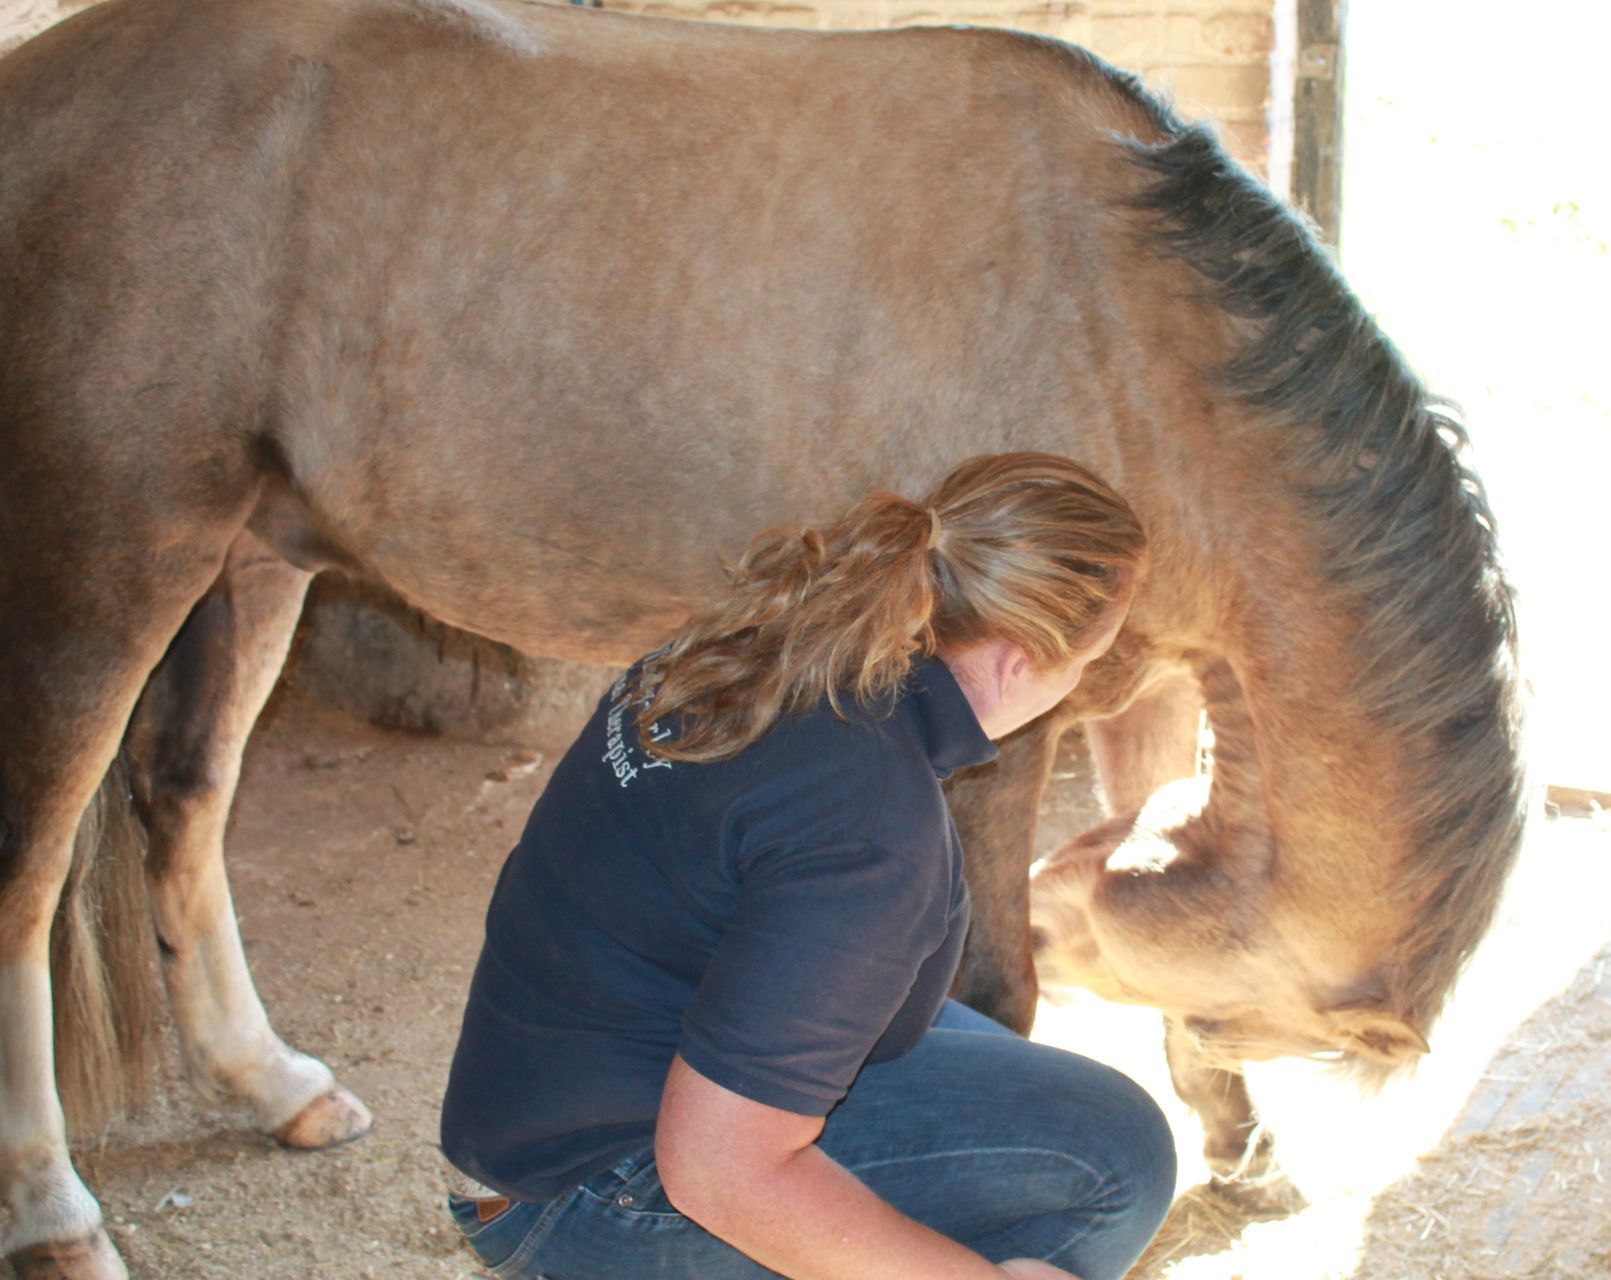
361, 862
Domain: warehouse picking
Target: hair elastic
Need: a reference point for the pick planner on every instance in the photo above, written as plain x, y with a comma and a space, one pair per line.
934, 528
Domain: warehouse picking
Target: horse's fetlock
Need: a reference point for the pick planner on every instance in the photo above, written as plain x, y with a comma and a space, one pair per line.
89, 1256
48, 1202
206, 1084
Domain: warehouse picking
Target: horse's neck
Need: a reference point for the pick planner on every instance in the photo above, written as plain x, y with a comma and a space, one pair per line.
1300, 773
1303, 783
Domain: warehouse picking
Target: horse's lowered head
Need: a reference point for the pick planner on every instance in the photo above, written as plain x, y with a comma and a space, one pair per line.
1171, 908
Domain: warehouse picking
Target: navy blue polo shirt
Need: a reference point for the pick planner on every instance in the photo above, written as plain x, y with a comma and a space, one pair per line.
778, 918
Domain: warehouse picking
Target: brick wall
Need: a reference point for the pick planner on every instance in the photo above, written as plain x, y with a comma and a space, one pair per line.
20, 19
1212, 56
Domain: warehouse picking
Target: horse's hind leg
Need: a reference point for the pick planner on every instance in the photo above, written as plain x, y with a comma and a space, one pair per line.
186, 743
89, 600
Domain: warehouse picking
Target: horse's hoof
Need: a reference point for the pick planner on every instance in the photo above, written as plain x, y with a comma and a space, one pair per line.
1234, 1162
90, 1257
329, 1120
1271, 1197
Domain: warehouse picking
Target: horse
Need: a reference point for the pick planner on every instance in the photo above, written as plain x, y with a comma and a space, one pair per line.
530, 314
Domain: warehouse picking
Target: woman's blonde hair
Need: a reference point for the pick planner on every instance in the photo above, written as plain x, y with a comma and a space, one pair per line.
1026, 547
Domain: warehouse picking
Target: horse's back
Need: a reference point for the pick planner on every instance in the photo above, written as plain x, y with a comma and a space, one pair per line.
394, 252
748, 273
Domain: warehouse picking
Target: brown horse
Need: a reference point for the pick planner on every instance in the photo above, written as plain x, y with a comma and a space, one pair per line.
528, 312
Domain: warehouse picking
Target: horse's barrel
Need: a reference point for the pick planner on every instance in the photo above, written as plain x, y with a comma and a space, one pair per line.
372, 656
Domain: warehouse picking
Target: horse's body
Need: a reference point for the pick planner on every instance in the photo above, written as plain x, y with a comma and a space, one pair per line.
528, 313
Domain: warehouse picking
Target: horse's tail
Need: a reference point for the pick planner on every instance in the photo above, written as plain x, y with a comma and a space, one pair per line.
103, 965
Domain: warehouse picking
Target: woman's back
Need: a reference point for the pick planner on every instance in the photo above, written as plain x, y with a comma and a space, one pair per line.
770, 916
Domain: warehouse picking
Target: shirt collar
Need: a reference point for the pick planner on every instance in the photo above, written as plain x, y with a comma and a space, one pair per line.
937, 709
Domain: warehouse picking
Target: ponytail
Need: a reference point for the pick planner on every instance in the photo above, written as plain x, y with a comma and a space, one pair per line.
1027, 547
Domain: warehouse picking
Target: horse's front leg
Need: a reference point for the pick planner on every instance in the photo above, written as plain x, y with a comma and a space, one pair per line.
186, 742
995, 808
1149, 744
1237, 1148
1234, 1145
1154, 743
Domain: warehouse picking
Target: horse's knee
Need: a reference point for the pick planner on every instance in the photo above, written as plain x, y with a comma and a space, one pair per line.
175, 798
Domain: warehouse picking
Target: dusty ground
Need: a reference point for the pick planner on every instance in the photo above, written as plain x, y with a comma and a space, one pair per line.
362, 859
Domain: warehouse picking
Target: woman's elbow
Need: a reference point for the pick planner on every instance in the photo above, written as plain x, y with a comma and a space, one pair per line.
710, 1142
688, 1178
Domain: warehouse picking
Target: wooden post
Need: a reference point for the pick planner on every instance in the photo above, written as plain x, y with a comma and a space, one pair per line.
1317, 114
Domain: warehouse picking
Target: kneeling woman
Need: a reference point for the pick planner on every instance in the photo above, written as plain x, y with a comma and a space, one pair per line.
708, 1037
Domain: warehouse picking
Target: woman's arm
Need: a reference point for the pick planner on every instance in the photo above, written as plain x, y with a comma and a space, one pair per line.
753, 1175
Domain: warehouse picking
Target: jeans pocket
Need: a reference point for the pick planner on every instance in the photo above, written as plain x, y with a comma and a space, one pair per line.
632, 1190
505, 1240
474, 1214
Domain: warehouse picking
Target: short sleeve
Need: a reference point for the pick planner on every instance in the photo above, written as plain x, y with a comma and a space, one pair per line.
818, 958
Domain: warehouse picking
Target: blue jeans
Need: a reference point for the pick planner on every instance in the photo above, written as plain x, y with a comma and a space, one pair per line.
1012, 1148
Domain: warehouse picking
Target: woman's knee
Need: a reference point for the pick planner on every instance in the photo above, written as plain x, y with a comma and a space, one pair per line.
1114, 1127
961, 1091
1117, 1131
1153, 1167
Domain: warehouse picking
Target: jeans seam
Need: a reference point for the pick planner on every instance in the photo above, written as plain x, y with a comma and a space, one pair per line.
511, 1266
1100, 1193
633, 1165
1062, 1156
477, 1227
1080, 1232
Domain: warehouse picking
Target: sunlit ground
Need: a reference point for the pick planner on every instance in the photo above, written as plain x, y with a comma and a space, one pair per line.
1344, 1150
1477, 218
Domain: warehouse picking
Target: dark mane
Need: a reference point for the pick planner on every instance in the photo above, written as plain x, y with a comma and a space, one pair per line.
1406, 536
